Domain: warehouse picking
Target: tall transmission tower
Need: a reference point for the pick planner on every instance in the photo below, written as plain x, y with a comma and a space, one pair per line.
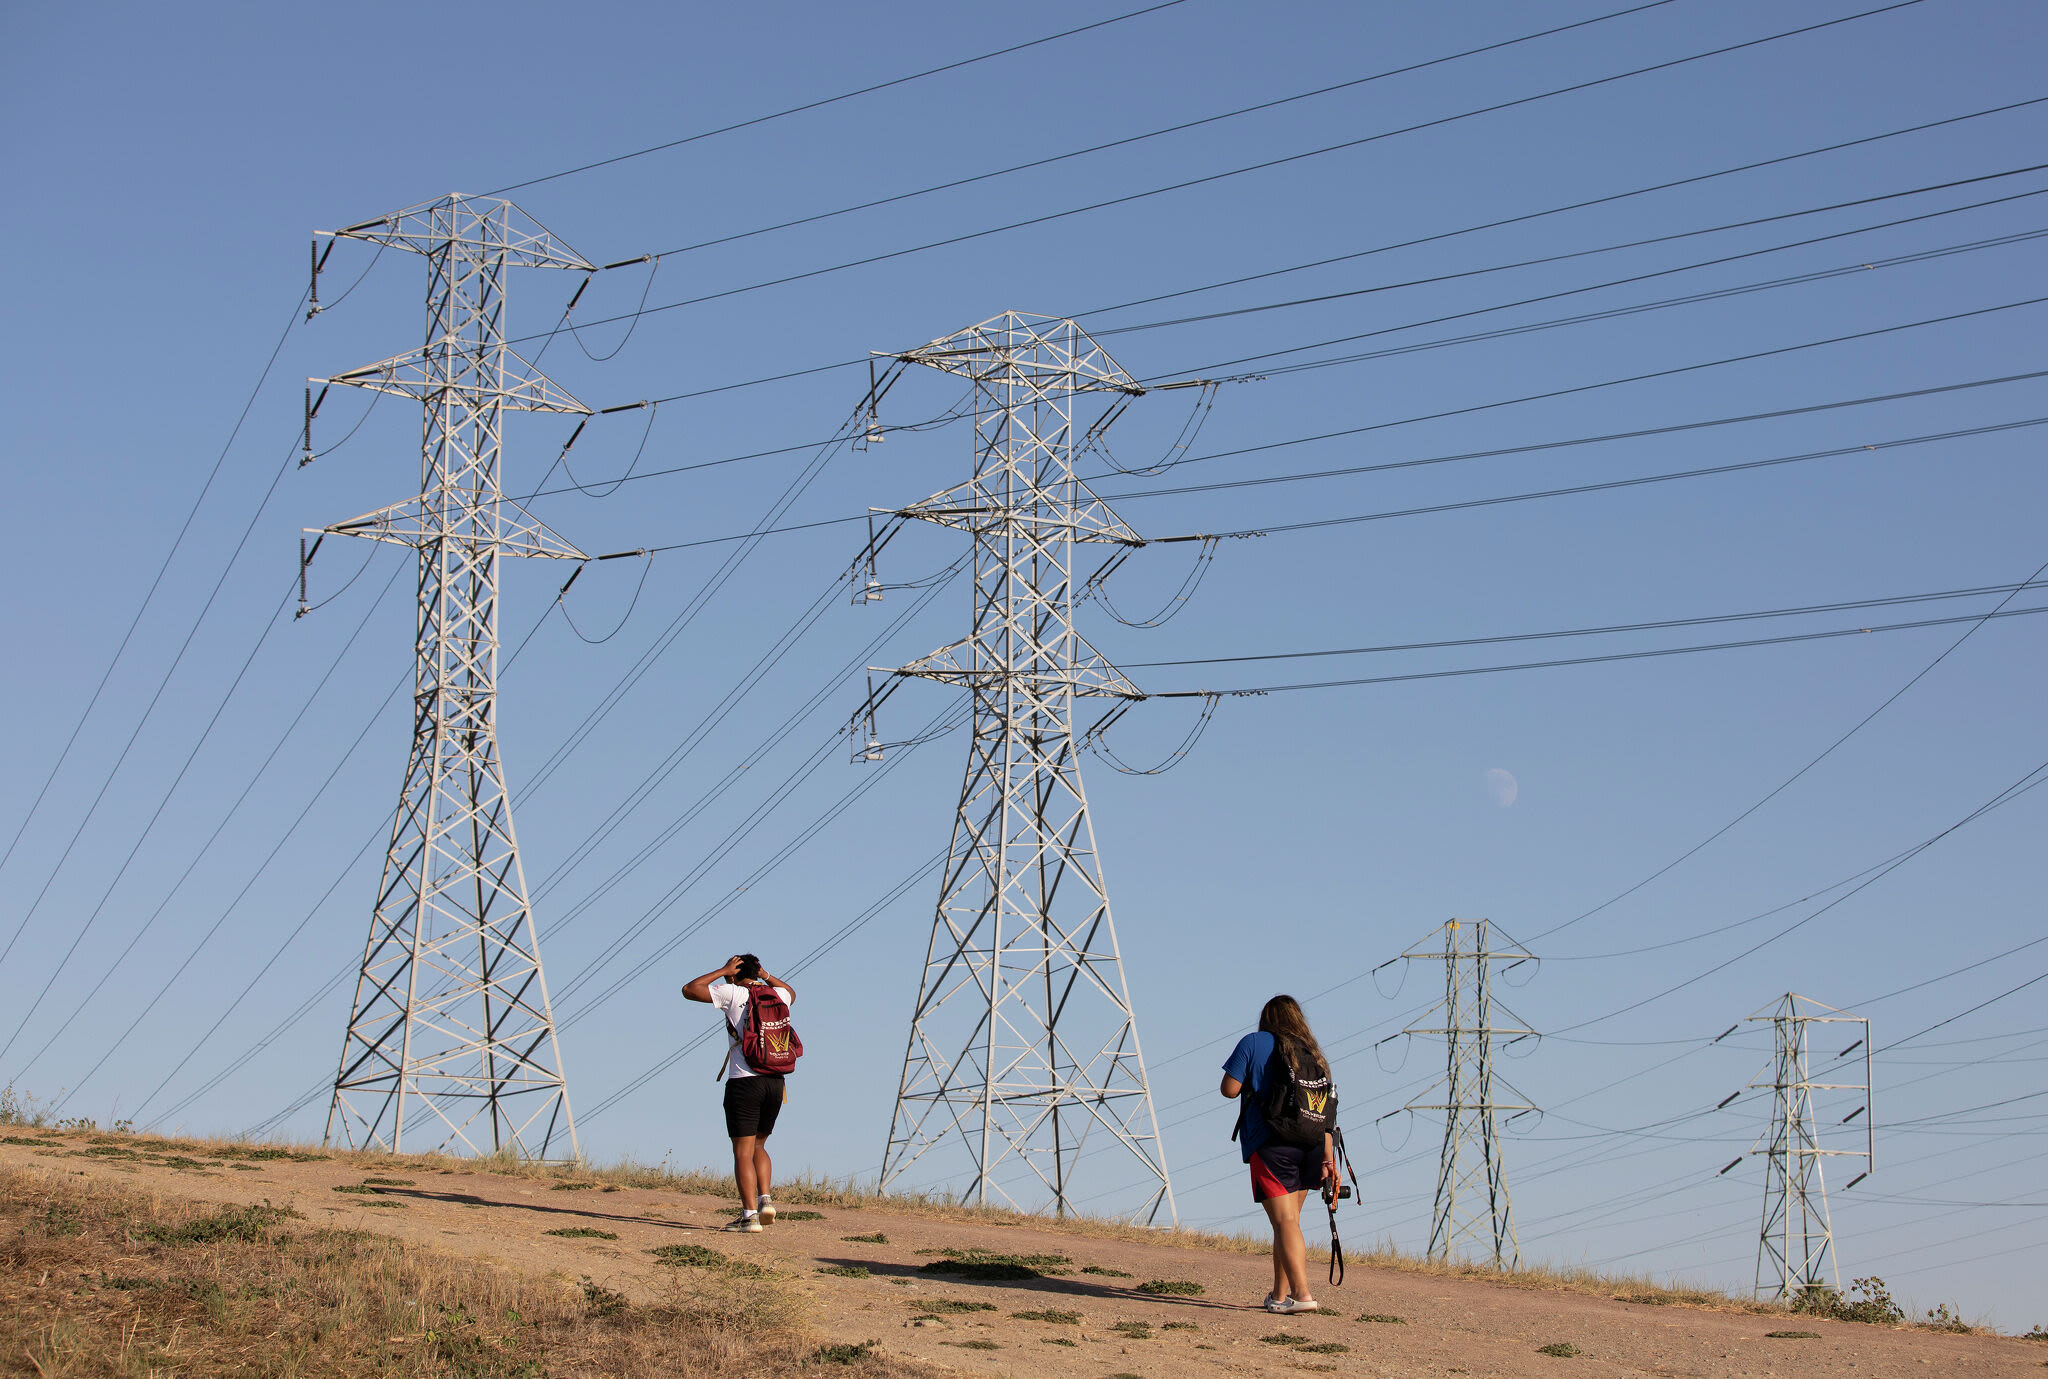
1472, 1210
1023, 1043
1796, 1246
451, 1042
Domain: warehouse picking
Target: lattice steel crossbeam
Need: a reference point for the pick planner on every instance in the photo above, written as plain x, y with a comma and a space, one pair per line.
451, 1041
1023, 1043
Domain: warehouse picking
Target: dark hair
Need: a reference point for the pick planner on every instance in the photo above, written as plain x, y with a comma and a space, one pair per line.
1282, 1018
750, 968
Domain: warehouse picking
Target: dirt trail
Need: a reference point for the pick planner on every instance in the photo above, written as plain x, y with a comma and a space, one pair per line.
1444, 1326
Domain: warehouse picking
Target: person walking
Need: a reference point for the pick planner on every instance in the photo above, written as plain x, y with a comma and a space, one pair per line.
762, 1047
1283, 1049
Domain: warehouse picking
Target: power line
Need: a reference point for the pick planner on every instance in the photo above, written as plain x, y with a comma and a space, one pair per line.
1260, 166
1608, 485
833, 100
1601, 659
1790, 780
1182, 127
1436, 237
1699, 621
148, 597
2025, 783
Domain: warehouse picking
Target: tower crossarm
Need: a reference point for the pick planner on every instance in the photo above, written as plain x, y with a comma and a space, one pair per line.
484, 226
451, 365
476, 517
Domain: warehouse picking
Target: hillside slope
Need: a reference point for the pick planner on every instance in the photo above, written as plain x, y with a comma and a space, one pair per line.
962, 1292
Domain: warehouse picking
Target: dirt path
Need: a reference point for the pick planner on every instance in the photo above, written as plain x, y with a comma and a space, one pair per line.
1422, 1325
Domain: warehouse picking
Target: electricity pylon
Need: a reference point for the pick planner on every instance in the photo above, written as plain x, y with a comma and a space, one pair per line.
450, 1030
1470, 1172
1796, 1246
1023, 1042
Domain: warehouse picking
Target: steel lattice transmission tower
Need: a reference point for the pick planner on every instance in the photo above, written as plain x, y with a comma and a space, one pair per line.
1023, 1044
451, 1043
1796, 1246
1472, 1207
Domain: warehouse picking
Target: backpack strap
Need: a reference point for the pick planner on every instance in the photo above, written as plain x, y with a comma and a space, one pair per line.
725, 1059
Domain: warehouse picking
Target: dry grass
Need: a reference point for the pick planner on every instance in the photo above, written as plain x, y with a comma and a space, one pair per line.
850, 1195
98, 1280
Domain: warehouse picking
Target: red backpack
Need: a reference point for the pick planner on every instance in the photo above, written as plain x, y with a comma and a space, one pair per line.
767, 1040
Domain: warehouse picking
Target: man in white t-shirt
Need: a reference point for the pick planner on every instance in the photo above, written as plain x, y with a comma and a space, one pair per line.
752, 1100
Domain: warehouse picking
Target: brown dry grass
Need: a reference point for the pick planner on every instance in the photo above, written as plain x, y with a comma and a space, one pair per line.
850, 1195
98, 1280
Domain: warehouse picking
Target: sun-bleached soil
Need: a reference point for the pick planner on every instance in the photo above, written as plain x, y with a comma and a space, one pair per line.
1420, 1324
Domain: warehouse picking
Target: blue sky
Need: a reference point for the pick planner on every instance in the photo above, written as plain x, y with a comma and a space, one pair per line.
168, 167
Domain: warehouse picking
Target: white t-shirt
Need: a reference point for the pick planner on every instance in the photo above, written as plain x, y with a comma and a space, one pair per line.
731, 998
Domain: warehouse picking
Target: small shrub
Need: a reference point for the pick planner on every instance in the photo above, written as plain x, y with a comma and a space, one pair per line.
782, 1215
973, 1345
1325, 1348
1137, 1331
1171, 1288
387, 1182
1564, 1350
1106, 1273
954, 1305
845, 1270
1284, 1338
60, 1220
602, 1301
247, 1224
1644, 1299
1180, 1326
876, 1239
572, 1187
1050, 1314
1057, 1340
2039, 1333
845, 1354
700, 1257
1791, 1335
1383, 1317
979, 1264
1945, 1317
582, 1233
1869, 1301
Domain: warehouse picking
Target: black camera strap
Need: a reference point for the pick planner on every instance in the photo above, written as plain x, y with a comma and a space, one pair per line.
1332, 1185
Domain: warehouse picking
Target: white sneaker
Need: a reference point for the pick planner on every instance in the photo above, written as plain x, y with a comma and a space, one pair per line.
748, 1221
765, 1210
1285, 1306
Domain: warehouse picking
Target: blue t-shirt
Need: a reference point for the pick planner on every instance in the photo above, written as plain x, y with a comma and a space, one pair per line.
1247, 1063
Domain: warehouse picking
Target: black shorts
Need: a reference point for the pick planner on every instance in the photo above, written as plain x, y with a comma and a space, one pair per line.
1281, 1169
751, 1106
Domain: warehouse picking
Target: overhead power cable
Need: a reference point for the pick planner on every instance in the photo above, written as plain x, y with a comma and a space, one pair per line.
1609, 485
1465, 274
1185, 125
824, 101
1263, 165
2027, 782
148, 597
1469, 410
1432, 238
1607, 658
1536, 447
199, 854
1702, 621
1789, 781
1634, 309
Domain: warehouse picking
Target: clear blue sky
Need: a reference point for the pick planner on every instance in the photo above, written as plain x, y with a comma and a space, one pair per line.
167, 165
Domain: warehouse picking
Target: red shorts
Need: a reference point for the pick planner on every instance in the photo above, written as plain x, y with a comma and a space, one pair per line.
1280, 1169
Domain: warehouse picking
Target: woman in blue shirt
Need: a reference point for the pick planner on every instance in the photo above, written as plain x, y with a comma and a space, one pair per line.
1282, 1174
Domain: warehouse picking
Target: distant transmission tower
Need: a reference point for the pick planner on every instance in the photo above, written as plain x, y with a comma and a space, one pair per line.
1472, 1208
1796, 1247
451, 1043
1023, 1043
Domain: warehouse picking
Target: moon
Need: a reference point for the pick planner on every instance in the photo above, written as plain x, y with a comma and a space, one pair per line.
1501, 785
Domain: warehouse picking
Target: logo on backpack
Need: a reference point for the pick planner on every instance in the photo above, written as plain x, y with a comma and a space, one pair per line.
1298, 1110
767, 1040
